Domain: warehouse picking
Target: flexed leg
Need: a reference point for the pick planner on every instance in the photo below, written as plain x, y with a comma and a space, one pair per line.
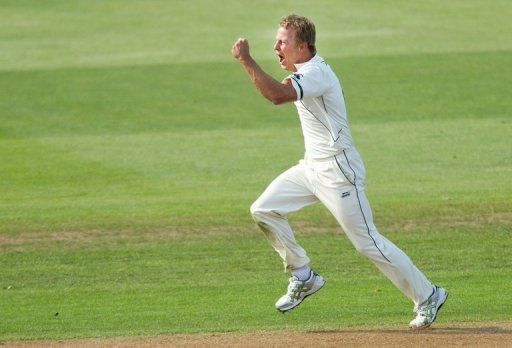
289, 192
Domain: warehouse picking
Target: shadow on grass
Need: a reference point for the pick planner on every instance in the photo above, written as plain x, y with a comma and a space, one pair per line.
430, 331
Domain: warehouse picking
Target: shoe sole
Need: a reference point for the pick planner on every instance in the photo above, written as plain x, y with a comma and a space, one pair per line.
426, 326
284, 310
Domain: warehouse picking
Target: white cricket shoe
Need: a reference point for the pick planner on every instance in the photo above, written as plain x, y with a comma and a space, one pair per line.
298, 290
427, 311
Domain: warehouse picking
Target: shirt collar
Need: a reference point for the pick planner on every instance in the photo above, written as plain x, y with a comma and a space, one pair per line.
315, 59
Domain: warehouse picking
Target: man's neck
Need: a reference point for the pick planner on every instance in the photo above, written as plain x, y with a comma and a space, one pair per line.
306, 57
302, 59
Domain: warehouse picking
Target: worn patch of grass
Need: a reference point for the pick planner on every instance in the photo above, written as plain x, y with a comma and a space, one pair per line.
231, 285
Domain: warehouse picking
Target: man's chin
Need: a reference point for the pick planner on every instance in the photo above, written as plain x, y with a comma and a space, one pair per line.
286, 67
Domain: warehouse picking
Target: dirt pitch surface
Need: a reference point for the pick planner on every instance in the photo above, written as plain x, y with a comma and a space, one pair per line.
442, 335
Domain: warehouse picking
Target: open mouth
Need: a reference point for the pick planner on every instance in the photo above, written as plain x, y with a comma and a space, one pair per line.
281, 59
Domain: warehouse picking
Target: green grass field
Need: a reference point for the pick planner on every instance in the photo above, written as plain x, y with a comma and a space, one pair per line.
132, 145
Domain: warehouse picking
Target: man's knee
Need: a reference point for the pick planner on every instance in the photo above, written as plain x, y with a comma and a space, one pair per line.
258, 213
364, 248
261, 215
254, 209
364, 245
372, 249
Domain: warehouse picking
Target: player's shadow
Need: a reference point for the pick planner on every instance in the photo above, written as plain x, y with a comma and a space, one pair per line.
430, 331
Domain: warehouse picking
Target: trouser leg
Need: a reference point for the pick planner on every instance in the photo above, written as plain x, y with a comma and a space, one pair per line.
343, 194
287, 193
354, 215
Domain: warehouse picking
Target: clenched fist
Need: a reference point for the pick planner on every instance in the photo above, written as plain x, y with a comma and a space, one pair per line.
240, 49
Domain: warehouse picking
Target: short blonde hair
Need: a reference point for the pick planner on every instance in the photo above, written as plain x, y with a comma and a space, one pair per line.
304, 29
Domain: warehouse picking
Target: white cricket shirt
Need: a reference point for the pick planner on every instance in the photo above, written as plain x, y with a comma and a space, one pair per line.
321, 107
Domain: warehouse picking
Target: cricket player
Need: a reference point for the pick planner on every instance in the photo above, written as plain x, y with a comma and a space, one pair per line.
331, 172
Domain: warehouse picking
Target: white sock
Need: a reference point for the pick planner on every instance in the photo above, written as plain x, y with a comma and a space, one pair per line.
302, 273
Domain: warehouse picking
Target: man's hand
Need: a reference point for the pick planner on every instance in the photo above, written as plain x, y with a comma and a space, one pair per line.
240, 49
270, 88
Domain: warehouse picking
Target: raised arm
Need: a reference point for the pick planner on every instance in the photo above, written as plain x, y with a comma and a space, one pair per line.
273, 90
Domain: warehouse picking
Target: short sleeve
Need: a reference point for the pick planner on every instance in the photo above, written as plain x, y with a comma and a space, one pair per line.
309, 82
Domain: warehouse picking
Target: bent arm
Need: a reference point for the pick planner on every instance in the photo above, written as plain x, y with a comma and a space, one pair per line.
273, 90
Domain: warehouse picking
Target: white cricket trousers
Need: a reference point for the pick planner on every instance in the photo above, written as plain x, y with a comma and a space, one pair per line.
337, 182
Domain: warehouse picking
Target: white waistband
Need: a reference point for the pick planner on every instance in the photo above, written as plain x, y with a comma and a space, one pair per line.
322, 159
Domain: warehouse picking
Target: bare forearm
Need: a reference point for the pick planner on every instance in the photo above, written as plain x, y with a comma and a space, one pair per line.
273, 90
268, 86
